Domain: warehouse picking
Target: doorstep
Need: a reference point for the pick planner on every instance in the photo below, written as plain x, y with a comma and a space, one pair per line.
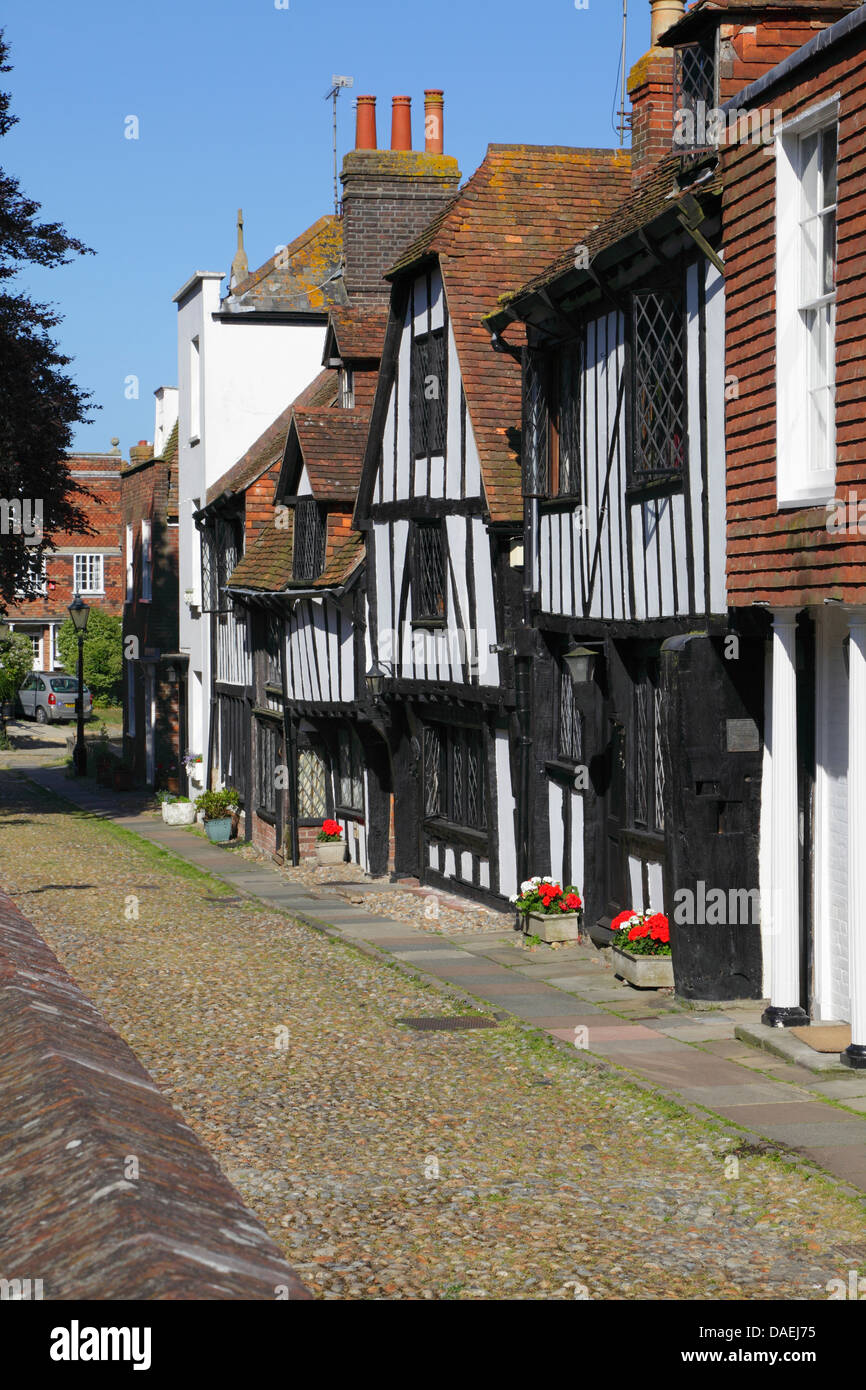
781, 1043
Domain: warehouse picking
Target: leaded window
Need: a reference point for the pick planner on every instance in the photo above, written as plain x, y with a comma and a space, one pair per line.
309, 553
658, 436
428, 578
695, 80
454, 775
221, 548
350, 770
312, 785
570, 721
267, 761
649, 777
565, 449
429, 393
536, 428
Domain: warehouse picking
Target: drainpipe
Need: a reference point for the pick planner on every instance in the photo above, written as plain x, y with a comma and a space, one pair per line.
213, 702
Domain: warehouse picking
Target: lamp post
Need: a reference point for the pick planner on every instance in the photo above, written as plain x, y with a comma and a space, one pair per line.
79, 612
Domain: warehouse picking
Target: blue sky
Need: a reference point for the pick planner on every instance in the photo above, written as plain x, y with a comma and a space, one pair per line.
229, 100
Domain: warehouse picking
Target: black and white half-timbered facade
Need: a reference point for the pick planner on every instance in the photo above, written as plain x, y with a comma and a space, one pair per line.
440, 509
644, 721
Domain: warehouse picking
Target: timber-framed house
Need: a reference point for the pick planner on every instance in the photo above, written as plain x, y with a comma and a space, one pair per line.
291, 724
647, 716
440, 508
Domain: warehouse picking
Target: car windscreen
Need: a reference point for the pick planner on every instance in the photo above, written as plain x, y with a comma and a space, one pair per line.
64, 685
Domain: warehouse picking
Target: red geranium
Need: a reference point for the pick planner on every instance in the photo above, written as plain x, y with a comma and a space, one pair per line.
658, 927
621, 920
639, 930
570, 903
330, 830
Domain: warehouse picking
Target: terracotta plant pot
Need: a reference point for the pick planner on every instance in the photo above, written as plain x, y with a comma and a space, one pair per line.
330, 851
172, 785
122, 779
644, 972
553, 926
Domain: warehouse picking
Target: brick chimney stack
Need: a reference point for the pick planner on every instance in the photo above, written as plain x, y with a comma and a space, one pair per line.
651, 90
389, 196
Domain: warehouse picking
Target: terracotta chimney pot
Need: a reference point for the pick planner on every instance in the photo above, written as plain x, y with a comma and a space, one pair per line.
434, 120
365, 124
664, 14
401, 123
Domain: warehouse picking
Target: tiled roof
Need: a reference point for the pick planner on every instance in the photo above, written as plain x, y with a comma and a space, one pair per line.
268, 448
653, 196
267, 565
170, 456
332, 443
305, 275
701, 14
522, 206
359, 332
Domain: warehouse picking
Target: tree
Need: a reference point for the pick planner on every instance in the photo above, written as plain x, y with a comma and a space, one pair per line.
39, 402
103, 654
16, 663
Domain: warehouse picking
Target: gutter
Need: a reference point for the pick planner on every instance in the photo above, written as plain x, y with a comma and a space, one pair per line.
825, 39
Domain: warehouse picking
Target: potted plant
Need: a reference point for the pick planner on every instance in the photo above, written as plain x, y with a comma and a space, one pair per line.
218, 809
193, 765
641, 949
549, 911
122, 775
176, 810
330, 845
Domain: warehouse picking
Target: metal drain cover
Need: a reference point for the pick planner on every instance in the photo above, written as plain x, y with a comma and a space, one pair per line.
442, 1023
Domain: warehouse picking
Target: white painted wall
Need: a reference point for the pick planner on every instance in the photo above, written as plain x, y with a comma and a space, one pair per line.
831, 900
165, 412
248, 373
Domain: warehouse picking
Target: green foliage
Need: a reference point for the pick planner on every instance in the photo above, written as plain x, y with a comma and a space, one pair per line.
39, 402
216, 805
16, 663
103, 653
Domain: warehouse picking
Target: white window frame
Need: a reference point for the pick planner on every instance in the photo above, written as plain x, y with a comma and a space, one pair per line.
347, 388
130, 564
90, 558
802, 479
146, 561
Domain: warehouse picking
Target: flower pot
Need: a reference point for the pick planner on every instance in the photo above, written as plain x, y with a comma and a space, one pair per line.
219, 831
172, 785
553, 926
122, 779
178, 812
330, 851
644, 972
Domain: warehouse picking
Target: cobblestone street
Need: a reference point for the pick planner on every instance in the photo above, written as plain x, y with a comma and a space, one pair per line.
389, 1163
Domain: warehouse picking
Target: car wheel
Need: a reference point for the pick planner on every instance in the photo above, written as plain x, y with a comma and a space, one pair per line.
41, 715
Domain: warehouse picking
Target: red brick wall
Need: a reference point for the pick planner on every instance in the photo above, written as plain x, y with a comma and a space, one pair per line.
748, 51
789, 556
99, 474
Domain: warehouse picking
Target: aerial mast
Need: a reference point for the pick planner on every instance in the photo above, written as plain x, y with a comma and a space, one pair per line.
337, 84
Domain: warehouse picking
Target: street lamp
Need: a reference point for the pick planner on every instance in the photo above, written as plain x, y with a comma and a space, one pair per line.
79, 612
581, 663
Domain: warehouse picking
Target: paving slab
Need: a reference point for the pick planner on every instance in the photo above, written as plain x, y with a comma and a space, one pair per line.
743, 1094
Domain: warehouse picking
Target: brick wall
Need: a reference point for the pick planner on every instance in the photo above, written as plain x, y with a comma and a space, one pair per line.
74, 1217
389, 196
100, 475
789, 556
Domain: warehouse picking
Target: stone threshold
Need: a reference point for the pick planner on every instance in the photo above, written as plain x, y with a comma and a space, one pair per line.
781, 1043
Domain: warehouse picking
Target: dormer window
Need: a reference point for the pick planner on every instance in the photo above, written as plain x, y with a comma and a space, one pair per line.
347, 388
308, 559
694, 85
